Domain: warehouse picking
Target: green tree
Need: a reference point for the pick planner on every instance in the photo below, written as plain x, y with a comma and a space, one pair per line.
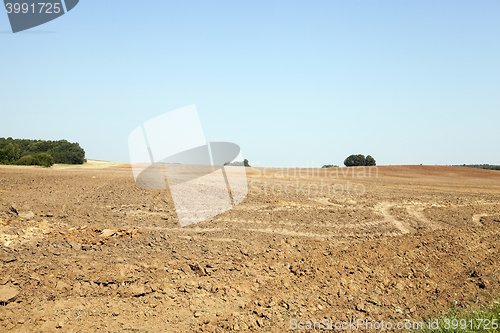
245, 163
355, 160
9, 154
62, 151
369, 161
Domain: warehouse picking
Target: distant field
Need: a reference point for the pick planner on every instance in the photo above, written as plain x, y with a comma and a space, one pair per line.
93, 164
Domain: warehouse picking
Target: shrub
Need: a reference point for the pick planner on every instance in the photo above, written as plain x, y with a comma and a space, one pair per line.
45, 160
42, 159
27, 160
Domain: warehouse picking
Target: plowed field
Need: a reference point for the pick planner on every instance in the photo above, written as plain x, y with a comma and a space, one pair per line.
85, 249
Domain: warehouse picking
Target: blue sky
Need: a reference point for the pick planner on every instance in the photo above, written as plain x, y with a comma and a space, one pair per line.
294, 83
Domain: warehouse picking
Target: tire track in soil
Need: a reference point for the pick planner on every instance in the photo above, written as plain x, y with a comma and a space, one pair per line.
476, 218
418, 214
383, 208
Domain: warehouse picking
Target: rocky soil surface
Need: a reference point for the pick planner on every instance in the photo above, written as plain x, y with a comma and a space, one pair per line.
85, 250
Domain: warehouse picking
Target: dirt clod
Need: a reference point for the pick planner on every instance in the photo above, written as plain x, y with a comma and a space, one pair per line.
8, 294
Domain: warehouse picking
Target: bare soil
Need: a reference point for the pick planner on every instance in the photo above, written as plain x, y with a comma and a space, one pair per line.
85, 249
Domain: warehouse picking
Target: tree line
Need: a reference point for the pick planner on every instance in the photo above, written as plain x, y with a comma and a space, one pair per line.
481, 166
40, 152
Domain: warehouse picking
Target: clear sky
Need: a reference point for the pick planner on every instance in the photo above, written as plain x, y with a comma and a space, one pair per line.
294, 83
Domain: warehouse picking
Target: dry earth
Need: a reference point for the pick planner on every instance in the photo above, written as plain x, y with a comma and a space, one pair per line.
85, 249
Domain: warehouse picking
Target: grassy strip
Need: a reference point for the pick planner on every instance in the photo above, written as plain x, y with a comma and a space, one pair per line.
486, 319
